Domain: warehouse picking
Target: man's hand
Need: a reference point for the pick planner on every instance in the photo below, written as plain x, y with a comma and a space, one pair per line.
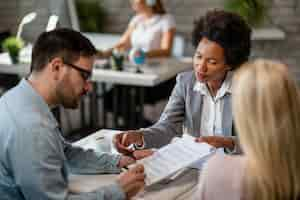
140, 154
132, 181
122, 140
217, 141
125, 161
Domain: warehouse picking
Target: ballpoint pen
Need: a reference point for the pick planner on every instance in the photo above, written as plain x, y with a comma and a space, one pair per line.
100, 138
135, 147
124, 169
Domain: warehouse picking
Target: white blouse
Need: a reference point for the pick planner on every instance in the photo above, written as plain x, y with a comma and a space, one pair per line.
212, 108
147, 33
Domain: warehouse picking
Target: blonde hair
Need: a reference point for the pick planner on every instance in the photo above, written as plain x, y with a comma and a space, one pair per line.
266, 107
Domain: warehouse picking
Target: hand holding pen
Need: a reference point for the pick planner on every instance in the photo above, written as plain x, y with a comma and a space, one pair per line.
127, 142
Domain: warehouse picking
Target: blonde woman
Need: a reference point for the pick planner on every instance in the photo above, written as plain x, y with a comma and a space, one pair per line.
266, 108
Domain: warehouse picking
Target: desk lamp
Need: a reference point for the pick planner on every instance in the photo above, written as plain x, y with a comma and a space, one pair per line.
26, 19
52, 22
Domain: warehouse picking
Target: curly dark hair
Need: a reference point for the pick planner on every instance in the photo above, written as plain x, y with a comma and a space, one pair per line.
227, 29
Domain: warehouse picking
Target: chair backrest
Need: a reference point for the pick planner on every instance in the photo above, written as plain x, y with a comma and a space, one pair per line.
178, 46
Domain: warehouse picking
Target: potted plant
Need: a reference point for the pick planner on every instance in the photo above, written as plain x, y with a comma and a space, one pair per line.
13, 45
253, 11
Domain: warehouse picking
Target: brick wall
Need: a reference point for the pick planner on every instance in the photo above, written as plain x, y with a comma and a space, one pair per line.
284, 14
12, 11
8, 14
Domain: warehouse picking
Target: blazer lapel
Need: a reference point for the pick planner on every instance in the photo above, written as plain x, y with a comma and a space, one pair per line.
196, 109
227, 116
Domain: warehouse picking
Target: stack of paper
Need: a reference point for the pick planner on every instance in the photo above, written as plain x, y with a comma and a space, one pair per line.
173, 157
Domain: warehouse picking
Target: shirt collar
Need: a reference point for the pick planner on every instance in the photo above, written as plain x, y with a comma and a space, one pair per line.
151, 21
225, 88
37, 101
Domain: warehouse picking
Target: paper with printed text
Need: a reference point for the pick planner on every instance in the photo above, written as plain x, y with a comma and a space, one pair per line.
174, 157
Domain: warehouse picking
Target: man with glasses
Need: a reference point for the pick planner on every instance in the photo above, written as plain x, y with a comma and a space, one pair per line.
86, 75
35, 160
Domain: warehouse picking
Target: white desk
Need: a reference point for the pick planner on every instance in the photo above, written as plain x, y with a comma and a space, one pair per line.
183, 187
16, 69
91, 141
155, 72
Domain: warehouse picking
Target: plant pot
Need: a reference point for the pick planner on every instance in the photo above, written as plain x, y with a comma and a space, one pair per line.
14, 56
13, 45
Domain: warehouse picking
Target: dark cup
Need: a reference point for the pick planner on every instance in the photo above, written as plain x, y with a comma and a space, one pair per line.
14, 56
116, 62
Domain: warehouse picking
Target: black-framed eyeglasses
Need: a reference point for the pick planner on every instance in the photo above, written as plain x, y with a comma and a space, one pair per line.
86, 75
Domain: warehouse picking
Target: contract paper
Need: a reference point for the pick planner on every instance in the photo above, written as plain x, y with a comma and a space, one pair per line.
174, 157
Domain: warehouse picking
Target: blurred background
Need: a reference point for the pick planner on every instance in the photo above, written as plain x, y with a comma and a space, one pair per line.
113, 17
276, 24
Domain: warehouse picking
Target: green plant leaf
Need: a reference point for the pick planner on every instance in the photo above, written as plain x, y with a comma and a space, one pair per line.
253, 11
12, 44
91, 15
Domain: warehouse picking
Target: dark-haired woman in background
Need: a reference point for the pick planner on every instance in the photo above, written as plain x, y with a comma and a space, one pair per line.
200, 104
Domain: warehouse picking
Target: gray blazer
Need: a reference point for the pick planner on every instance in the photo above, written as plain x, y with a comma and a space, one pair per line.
182, 114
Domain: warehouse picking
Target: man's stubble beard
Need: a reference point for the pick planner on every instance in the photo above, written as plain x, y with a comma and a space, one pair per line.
65, 98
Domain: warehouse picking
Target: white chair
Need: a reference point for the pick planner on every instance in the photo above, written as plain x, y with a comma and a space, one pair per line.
178, 46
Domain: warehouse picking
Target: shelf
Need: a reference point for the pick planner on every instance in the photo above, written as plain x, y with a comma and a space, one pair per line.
268, 34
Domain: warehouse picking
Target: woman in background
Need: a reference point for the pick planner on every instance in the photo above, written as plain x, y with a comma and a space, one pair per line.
151, 29
266, 108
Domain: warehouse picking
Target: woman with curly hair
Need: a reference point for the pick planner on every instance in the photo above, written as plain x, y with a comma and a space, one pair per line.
200, 104
266, 109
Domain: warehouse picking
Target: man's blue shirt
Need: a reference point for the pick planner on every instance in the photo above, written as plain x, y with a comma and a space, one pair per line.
35, 159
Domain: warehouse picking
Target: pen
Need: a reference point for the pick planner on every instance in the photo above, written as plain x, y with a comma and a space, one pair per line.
100, 138
125, 168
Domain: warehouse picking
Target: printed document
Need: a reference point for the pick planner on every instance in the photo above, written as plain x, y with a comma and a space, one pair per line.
174, 157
